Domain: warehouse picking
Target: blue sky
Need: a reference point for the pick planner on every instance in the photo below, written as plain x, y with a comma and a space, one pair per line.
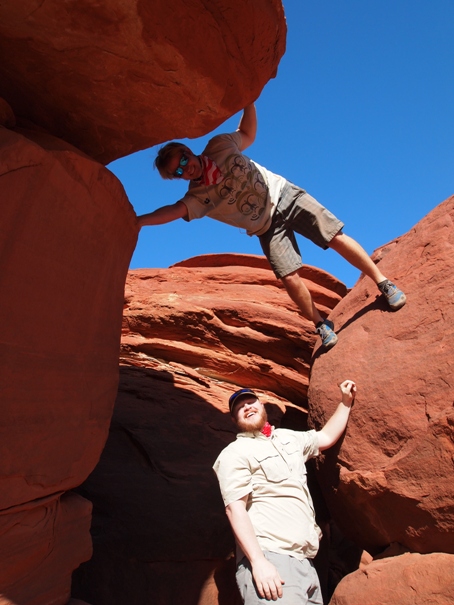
361, 115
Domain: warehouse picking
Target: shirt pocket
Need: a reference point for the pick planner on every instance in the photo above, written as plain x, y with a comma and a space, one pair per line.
294, 458
274, 467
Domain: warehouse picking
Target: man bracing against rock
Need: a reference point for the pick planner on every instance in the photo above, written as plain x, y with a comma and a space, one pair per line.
226, 185
262, 477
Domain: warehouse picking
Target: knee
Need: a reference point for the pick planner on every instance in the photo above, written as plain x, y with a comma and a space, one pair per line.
291, 280
293, 283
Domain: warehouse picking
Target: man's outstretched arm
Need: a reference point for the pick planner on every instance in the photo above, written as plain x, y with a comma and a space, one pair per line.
266, 576
165, 214
248, 126
335, 426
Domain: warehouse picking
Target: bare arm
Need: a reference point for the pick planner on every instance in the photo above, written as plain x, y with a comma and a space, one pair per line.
335, 426
266, 576
248, 126
165, 214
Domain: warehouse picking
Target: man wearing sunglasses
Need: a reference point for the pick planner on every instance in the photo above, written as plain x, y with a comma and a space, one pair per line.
228, 186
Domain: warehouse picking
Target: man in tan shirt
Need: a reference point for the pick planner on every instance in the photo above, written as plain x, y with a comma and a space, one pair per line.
262, 477
228, 186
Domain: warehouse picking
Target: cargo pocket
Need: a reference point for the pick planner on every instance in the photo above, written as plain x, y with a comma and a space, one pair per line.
295, 458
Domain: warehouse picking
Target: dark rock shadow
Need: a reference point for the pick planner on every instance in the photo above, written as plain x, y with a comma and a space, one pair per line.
378, 304
159, 527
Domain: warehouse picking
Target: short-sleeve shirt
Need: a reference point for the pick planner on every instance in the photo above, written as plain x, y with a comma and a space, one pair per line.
272, 472
246, 197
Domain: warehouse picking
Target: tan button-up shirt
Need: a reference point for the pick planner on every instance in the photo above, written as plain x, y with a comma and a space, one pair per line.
273, 472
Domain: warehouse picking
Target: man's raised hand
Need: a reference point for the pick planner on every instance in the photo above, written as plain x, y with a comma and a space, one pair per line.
348, 390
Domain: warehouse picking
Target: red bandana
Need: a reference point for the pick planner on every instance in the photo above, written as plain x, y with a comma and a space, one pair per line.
266, 430
211, 173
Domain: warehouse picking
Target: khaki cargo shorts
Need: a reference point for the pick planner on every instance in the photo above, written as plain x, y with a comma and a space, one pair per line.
296, 212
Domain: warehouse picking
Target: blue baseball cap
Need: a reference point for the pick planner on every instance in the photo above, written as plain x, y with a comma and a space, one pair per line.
237, 395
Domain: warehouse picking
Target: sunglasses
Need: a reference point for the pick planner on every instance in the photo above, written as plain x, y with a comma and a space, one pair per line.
179, 171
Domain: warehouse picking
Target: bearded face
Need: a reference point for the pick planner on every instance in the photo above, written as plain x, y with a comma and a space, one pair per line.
249, 415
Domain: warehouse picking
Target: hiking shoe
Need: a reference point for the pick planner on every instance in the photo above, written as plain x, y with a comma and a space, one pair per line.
395, 297
325, 329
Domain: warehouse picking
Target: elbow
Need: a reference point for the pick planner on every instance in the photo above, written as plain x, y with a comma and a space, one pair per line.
325, 441
246, 140
230, 515
236, 507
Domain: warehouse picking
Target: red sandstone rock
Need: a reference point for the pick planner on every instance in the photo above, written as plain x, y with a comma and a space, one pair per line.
41, 543
411, 579
394, 479
67, 232
228, 317
115, 77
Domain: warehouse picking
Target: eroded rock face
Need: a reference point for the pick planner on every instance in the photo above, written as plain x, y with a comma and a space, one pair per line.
394, 478
229, 317
115, 77
407, 579
67, 232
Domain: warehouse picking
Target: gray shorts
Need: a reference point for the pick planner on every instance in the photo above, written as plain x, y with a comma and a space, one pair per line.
302, 586
296, 212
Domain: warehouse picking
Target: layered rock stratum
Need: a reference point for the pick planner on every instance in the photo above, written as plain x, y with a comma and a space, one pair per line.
228, 317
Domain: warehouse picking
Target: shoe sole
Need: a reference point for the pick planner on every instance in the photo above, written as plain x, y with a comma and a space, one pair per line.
331, 343
399, 304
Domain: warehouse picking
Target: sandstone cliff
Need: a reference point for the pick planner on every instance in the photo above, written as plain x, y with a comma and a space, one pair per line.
390, 481
393, 481
67, 233
82, 83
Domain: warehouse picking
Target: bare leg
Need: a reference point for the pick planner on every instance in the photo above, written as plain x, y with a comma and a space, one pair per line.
298, 292
356, 256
